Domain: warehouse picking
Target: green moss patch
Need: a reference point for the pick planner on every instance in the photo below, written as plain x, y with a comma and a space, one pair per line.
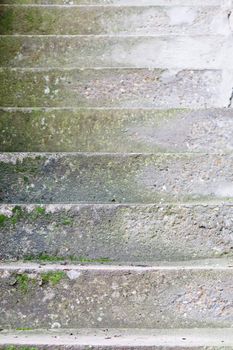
33, 19
23, 282
19, 214
97, 260
6, 20
67, 222
52, 277
3, 218
40, 210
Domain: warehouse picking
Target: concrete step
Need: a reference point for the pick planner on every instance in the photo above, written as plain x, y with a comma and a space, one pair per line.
115, 130
119, 339
126, 88
181, 295
118, 178
172, 52
131, 20
115, 233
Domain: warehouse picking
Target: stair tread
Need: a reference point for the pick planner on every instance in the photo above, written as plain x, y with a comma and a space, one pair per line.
121, 337
221, 264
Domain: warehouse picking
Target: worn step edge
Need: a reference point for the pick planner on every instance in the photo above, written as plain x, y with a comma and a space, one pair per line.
13, 156
71, 108
133, 109
59, 206
116, 87
197, 3
165, 293
143, 5
117, 338
69, 69
116, 35
221, 264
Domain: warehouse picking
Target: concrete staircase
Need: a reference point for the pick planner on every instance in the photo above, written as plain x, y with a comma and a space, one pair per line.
116, 180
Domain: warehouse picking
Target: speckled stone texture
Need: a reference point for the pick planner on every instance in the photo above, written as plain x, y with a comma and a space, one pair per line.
113, 88
120, 233
73, 297
193, 52
121, 339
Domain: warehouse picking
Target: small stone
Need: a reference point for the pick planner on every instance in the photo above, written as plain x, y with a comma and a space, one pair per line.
73, 274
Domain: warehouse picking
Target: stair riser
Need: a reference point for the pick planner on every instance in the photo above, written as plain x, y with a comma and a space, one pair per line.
124, 88
171, 3
34, 346
112, 20
70, 130
180, 52
112, 298
133, 233
114, 178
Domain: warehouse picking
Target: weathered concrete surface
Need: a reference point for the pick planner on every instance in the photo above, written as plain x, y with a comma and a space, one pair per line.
169, 52
94, 130
120, 233
106, 178
111, 20
169, 295
137, 88
133, 339
69, 296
